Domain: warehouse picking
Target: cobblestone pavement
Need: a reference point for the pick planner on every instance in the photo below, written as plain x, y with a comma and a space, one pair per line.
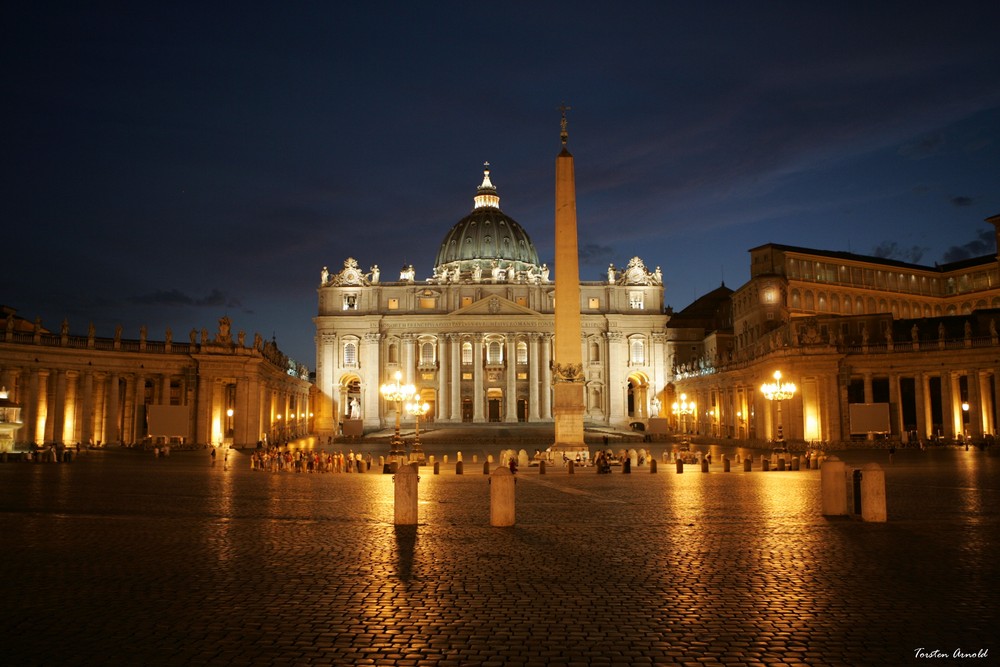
119, 558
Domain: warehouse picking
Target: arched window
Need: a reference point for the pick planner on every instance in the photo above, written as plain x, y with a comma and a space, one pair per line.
393, 353
350, 354
595, 351
426, 354
522, 353
466, 353
494, 353
637, 351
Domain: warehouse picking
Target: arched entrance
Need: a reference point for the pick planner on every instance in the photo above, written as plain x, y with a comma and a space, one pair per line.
350, 410
494, 404
637, 404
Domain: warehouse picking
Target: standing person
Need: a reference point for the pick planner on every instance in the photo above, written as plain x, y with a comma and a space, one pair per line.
892, 451
225, 460
213, 456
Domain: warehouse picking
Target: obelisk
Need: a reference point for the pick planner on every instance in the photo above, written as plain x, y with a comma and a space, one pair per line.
567, 363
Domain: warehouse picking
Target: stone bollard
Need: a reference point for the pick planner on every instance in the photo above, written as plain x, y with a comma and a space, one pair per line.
765, 465
704, 465
381, 460
405, 482
459, 468
541, 467
475, 458
832, 487
652, 465
489, 458
569, 467
680, 465
430, 460
502, 497
437, 467
872, 492
795, 463
747, 464
458, 456
781, 465
725, 464
445, 459
486, 467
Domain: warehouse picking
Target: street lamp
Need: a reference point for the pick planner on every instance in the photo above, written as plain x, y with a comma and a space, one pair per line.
418, 410
397, 393
777, 392
683, 408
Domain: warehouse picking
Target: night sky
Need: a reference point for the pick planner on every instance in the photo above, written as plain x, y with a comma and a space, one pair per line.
170, 163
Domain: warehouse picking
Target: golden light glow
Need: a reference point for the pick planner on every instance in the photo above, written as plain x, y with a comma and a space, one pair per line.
778, 390
683, 407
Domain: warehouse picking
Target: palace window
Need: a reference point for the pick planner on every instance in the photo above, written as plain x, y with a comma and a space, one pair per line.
494, 353
427, 302
426, 354
522, 353
594, 303
393, 304
466, 353
351, 355
637, 352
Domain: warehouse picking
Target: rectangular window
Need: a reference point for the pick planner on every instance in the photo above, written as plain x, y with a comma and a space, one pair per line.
466, 376
635, 300
350, 302
427, 303
595, 303
521, 301
393, 304
466, 301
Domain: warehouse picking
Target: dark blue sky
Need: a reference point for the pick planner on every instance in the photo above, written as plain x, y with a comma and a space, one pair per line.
169, 164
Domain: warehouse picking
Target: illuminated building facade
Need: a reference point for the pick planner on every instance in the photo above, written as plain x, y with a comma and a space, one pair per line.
108, 391
476, 336
875, 347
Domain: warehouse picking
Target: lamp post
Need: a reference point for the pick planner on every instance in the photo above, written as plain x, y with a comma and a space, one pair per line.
397, 392
682, 409
777, 392
418, 410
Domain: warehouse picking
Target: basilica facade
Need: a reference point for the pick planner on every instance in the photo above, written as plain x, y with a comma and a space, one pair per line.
475, 335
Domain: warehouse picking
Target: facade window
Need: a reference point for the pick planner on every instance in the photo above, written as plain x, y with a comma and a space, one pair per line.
427, 303
638, 352
635, 300
522, 353
595, 351
594, 303
466, 353
351, 355
393, 353
466, 301
494, 354
426, 354
394, 304
521, 301
350, 302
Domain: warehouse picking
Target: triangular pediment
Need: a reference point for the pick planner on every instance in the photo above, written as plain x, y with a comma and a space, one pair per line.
495, 305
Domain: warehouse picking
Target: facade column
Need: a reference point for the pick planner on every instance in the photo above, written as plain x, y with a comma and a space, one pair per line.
534, 376
139, 409
477, 377
371, 372
546, 388
441, 404
86, 413
895, 420
203, 418
29, 408
409, 358
869, 394
617, 385
456, 377
57, 415
510, 393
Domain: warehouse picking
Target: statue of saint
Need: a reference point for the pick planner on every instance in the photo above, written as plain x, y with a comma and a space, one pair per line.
611, 274
545, 273
658, 276
477, 273
324, 276
375, 274
355, 409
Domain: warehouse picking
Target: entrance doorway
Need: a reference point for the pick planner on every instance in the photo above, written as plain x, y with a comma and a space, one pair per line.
466, 409
494, 404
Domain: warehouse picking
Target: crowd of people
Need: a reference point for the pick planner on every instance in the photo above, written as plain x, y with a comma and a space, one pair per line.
284, 460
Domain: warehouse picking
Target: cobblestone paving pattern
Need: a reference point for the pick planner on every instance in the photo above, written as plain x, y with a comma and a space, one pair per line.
118, 558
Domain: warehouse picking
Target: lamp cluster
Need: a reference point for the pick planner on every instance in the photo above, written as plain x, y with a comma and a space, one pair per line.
778, 390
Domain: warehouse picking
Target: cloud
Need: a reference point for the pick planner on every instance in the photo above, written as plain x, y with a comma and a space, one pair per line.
984, 244
175, 297
961, 201
892, 250
593, 253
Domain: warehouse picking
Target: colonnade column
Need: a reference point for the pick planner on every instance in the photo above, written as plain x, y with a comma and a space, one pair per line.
87, 412
975, 404
534, 377
409, 359
920, 398
895, 420
57, 416
456, 377
112, 423
947, 405
477, 378
511, 392
441, 404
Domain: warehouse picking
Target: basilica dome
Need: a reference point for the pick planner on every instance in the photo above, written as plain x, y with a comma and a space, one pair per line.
486, 238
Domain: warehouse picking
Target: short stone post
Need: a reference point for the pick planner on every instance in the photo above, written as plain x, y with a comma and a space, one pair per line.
704, 465
381, 461
437, 467
765, 465
832, 487
541, 467
445, 458
502, 497
475, 458
486, 467
680, 465
795, 463
725, 463
405, 482
872, 492
652, 465
459, 468
781, 464
569, 467
747, 464
430, 459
